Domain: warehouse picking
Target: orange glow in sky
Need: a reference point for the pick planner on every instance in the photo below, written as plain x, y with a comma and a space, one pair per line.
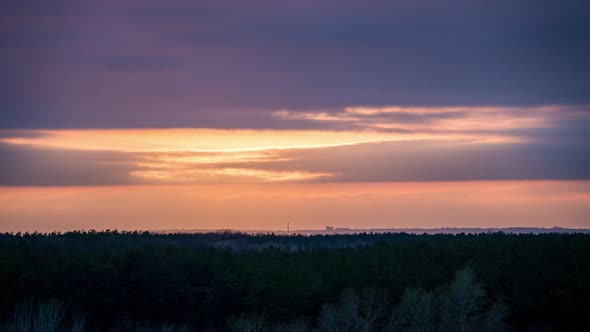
376, 167
218, 140
305, 206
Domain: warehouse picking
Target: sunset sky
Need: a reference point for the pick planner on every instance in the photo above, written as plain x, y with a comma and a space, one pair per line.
178, 114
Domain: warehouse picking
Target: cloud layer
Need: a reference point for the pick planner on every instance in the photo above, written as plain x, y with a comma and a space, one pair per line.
275, 91
386, 144
230, 64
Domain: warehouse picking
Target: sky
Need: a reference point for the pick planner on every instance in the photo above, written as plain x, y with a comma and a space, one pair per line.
178, 114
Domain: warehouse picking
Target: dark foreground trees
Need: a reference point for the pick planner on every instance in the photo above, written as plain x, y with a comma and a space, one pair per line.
460, 306
456, 307
111, 281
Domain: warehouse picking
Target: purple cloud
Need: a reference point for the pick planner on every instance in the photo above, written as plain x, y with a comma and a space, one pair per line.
232, 63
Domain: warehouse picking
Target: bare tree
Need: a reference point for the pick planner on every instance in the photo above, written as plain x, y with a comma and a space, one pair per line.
461, 302
22, 317
29, 316
362, 313
248, 324
372, 309
49, 316
415, 312
79, 322
495, 318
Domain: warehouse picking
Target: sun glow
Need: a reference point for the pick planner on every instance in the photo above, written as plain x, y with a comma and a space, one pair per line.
219, 140
196, 140
309, 206
205, 155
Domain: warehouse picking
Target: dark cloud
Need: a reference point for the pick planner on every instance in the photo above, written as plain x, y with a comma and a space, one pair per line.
369, 162
231, 63
27, 166
429, 161
426, 161
20, 134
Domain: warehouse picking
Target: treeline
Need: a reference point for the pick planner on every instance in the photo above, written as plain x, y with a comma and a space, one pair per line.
123, 281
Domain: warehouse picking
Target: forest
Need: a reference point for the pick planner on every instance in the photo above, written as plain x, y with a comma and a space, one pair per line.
225, 281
